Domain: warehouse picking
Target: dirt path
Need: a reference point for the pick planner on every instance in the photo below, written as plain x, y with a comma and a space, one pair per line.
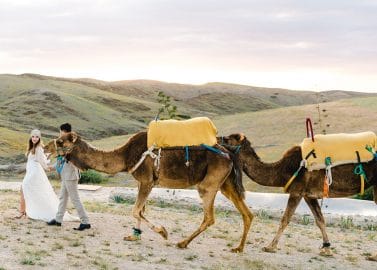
28, 244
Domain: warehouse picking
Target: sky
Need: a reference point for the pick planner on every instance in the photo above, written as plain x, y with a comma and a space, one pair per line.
296, 44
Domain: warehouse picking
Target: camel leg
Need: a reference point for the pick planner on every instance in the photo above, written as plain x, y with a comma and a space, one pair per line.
292, 204
320, 221
208, 194
138, 209
228, 190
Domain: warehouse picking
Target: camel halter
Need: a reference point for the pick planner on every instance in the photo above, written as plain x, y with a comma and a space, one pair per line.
65, 150
234, 148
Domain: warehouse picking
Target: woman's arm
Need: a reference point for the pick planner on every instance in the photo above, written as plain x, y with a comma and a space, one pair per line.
41, 157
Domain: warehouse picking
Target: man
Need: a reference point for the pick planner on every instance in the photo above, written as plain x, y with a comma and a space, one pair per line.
70, 176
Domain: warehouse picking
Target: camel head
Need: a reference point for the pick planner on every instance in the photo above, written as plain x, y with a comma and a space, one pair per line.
236, 139
237, 143
62, 145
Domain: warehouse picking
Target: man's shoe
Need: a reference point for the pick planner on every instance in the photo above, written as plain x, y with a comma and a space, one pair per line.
54, 222
82, 227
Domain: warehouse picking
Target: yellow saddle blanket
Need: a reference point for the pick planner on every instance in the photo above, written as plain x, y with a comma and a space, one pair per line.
169, 133
341, 148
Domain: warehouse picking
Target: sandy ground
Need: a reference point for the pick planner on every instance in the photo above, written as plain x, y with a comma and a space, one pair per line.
29, 244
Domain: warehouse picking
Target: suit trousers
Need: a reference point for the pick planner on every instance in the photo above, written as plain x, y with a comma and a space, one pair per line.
69, 189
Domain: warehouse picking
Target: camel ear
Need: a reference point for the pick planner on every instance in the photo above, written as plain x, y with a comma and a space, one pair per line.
239, 137
73, 137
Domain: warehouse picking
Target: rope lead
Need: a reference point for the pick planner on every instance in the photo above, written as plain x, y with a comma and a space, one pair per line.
359, 170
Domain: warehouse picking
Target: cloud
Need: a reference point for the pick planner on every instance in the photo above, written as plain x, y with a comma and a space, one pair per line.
248, 36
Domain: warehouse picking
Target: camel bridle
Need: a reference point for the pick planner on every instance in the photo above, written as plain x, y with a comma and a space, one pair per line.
65, 150
234, 148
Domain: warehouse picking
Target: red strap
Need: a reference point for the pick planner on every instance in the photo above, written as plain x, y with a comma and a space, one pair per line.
309, 128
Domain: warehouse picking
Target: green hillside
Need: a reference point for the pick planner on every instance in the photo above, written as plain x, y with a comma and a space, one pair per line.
274, 131
272, 118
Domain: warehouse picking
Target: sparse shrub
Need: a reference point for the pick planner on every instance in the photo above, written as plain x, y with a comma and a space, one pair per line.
263, 214
167, 109
57, 246
346, 223
191, 257
370, 227
91, 176
305, 220
195, 208
183, 116
163, 204
28, 261
122, 199
166, 106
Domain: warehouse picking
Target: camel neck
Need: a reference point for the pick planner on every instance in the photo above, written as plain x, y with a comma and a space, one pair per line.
266, 174
89, 157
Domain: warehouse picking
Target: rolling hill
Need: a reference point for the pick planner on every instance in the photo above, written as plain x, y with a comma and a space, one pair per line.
99, 109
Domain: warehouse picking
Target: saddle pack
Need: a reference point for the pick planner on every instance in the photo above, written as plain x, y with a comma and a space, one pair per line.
173, 133
339, 148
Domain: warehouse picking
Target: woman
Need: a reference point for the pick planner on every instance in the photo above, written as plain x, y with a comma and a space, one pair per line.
38, 199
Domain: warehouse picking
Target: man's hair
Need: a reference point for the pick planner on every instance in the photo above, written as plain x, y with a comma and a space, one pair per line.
66, 127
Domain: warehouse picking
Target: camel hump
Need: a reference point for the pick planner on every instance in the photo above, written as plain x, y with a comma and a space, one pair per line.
341, 148
171, 133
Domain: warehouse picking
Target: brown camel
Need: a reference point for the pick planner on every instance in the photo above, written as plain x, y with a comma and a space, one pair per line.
209, 171
307, 185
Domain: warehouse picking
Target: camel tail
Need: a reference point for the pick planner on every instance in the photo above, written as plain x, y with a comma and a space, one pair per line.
236, 175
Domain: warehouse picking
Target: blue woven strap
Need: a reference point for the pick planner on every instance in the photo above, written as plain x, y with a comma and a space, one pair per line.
359, 170
59, 164
215, 150
187, 157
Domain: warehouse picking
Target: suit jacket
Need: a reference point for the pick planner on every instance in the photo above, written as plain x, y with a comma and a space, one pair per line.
69, 172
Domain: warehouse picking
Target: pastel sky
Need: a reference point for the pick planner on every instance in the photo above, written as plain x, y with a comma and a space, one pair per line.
296, 44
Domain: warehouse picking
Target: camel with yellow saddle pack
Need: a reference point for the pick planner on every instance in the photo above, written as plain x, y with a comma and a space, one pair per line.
172, 154
335, 165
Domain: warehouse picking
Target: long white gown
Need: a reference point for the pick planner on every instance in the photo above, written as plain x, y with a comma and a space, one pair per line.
40, 198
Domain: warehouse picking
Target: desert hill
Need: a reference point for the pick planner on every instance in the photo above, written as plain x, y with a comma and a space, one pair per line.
99, 109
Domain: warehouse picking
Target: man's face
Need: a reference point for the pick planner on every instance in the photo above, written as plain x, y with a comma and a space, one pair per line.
62, 132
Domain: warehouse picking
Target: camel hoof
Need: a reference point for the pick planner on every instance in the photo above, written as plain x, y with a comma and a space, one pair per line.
269, 249
237, 250
326, 252
372, 258
182, 244
131, 238
162, 231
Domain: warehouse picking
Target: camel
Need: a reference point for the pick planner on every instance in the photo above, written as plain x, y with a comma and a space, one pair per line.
307, 185
209, 171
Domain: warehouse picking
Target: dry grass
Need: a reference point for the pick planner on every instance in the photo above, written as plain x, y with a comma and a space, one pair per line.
34, 245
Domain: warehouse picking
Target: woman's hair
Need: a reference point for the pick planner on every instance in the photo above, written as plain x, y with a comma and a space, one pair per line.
31, 146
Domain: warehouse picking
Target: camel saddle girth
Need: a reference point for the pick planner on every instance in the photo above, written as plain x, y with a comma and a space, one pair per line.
171, 133
340, 148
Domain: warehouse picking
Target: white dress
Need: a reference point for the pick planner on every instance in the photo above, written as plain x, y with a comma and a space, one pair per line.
40, 198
